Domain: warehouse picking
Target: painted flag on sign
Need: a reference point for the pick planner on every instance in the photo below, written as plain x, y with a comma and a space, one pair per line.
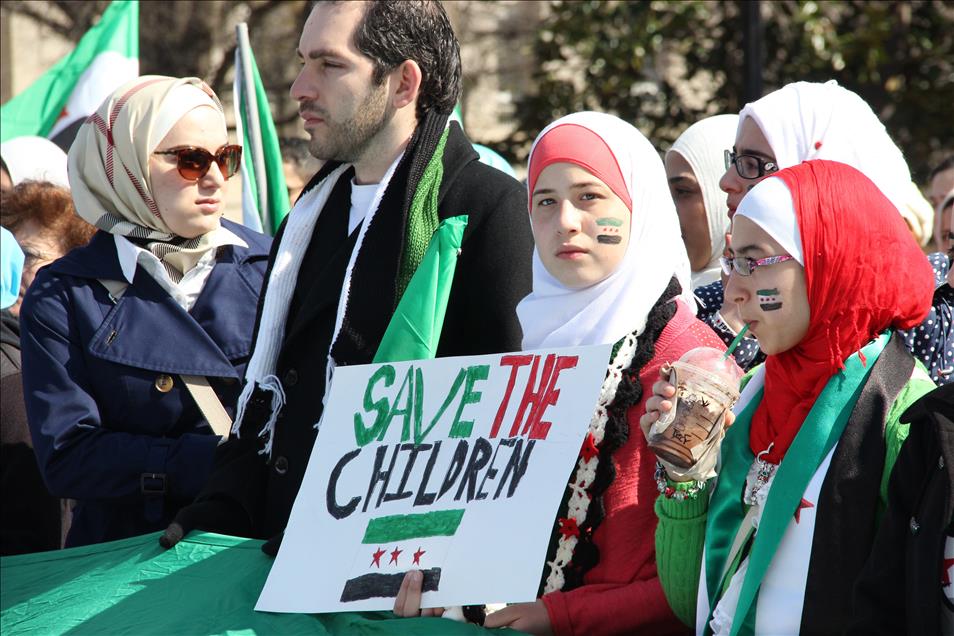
397, 544
57, 103
264, 192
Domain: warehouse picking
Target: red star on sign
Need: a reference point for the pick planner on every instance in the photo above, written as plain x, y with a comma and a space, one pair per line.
798, 511
418, 555
394, 556
946, 572
568, 527
376, 557
589, 450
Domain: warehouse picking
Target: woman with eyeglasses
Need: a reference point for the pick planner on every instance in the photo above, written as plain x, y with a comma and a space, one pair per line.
694, 166
774, 544
800, 122
124, 339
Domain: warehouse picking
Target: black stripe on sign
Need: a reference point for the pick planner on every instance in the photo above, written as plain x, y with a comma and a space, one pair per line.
385, 585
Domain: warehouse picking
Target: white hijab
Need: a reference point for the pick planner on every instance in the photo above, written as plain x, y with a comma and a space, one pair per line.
703, 146
36, 159
553, 315
809, 120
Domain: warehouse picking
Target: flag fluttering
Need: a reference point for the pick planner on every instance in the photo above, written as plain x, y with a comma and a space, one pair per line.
57, 103
264, 193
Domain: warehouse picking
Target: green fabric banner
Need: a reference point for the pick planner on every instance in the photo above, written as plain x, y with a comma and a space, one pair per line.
206, 584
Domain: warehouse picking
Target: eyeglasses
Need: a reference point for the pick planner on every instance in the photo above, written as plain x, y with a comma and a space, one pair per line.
744, 266
194, 163
749, 166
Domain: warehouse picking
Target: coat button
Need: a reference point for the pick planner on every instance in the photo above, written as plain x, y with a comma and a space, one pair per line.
291, 377
164, 383
281, 464
940, 462
914, 525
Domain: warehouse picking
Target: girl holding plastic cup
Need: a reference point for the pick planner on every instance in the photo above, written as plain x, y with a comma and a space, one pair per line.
776, 542
609, 267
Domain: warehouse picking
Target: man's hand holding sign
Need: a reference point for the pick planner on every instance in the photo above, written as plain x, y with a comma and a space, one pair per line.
452, 467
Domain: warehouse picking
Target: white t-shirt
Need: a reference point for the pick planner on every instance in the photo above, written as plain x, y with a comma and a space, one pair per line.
361, 197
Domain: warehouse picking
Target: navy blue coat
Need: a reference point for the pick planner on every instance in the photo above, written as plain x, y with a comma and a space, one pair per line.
105, 435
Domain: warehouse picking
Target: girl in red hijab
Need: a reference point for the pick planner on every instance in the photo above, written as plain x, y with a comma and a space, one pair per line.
823, 271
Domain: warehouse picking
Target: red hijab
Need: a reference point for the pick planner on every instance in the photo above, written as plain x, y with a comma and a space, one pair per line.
864, 273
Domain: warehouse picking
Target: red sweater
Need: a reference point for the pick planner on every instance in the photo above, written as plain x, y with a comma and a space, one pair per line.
622, 594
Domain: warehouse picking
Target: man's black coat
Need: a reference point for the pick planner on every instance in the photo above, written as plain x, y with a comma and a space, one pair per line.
250, 495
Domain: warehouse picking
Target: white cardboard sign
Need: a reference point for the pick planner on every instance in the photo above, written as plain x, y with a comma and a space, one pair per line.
454, 466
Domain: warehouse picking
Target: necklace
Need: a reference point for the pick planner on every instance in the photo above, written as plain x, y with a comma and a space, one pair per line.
760, 475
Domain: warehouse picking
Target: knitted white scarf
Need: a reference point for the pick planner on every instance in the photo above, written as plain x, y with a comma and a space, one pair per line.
281, 284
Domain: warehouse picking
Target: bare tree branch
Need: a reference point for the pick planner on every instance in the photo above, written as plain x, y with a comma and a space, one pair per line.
43, 17
255, 17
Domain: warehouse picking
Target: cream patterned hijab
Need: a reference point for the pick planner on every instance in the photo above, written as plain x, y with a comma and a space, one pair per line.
703, 146
109, 166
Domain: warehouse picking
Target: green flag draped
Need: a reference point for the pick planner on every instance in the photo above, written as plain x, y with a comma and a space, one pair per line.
821, 430
115, 38
207, 584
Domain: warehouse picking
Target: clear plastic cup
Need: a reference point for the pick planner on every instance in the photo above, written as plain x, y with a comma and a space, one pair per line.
707, 385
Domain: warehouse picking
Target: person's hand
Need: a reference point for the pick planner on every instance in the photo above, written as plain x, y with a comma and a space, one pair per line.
661, 401
532, 618
273, 545
408, 601
212, 515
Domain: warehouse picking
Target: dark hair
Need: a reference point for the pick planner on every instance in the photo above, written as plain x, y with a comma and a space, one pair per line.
51, 207
945, 165
294, 150
393, 31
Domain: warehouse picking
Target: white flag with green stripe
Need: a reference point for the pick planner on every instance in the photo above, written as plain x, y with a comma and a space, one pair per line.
264, 193
104, 59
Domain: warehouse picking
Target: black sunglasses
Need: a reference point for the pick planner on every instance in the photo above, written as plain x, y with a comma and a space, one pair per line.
194, 163
749, 166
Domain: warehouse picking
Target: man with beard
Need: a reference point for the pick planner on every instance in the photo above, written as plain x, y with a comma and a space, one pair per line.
377, 83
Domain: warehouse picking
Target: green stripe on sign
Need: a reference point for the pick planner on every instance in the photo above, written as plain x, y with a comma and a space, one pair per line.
440, 523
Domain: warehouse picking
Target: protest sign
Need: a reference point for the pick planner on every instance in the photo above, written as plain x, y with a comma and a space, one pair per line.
452, 466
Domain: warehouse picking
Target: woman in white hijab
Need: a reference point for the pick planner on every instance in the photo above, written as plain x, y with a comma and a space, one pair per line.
34, 159
163, 298
797, 123
694, 165
609, 267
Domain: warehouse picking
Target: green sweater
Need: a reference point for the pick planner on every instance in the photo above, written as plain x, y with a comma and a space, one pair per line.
680, 535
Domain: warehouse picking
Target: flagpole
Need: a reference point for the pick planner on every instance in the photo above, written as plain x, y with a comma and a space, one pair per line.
255, 130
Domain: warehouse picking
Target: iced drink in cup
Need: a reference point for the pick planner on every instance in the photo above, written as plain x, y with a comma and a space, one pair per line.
707, 385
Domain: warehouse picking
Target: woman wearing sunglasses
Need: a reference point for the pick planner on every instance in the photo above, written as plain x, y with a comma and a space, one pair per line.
165, 293
809, 120
774, 544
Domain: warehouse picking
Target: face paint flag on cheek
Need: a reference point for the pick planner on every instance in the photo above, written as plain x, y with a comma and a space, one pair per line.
609, 231
769, 299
